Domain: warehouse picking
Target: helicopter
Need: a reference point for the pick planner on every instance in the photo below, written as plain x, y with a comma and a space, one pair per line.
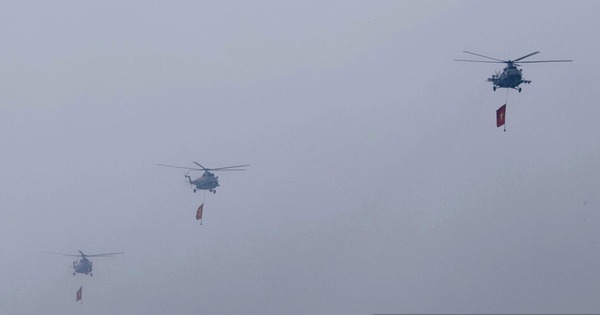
208, 180
84, 265
511, 76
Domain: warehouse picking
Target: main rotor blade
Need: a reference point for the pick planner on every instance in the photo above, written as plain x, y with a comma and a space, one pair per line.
105, 254
468, 52
484, 61
229, 168
183, 167
533, 53
203, 168
538, 61
53, 253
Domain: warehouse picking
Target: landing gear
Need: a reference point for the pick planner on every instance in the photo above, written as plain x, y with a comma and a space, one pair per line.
494, 88
519, 90
73, 274
194, 190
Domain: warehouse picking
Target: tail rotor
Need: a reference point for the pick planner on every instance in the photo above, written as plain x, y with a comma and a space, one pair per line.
187, 176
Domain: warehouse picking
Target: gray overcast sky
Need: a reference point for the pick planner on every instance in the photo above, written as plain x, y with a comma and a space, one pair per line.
378, 183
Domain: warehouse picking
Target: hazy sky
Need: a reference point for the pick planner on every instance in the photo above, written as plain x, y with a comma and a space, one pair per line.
378, 183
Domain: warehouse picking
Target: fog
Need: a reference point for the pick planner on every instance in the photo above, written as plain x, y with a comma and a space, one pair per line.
378, 180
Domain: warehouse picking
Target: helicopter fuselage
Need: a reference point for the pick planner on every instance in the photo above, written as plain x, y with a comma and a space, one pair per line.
208, 181
511, 77
84, 266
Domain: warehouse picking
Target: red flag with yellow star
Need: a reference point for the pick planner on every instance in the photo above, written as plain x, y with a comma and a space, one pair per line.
501, 116
199, 213
78, 295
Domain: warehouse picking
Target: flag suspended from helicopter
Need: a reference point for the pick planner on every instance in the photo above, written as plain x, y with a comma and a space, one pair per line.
501, 116
78, 295
199, 213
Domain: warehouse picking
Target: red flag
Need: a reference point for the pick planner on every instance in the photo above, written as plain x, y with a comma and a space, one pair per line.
78, 296
501, 116
199, 213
